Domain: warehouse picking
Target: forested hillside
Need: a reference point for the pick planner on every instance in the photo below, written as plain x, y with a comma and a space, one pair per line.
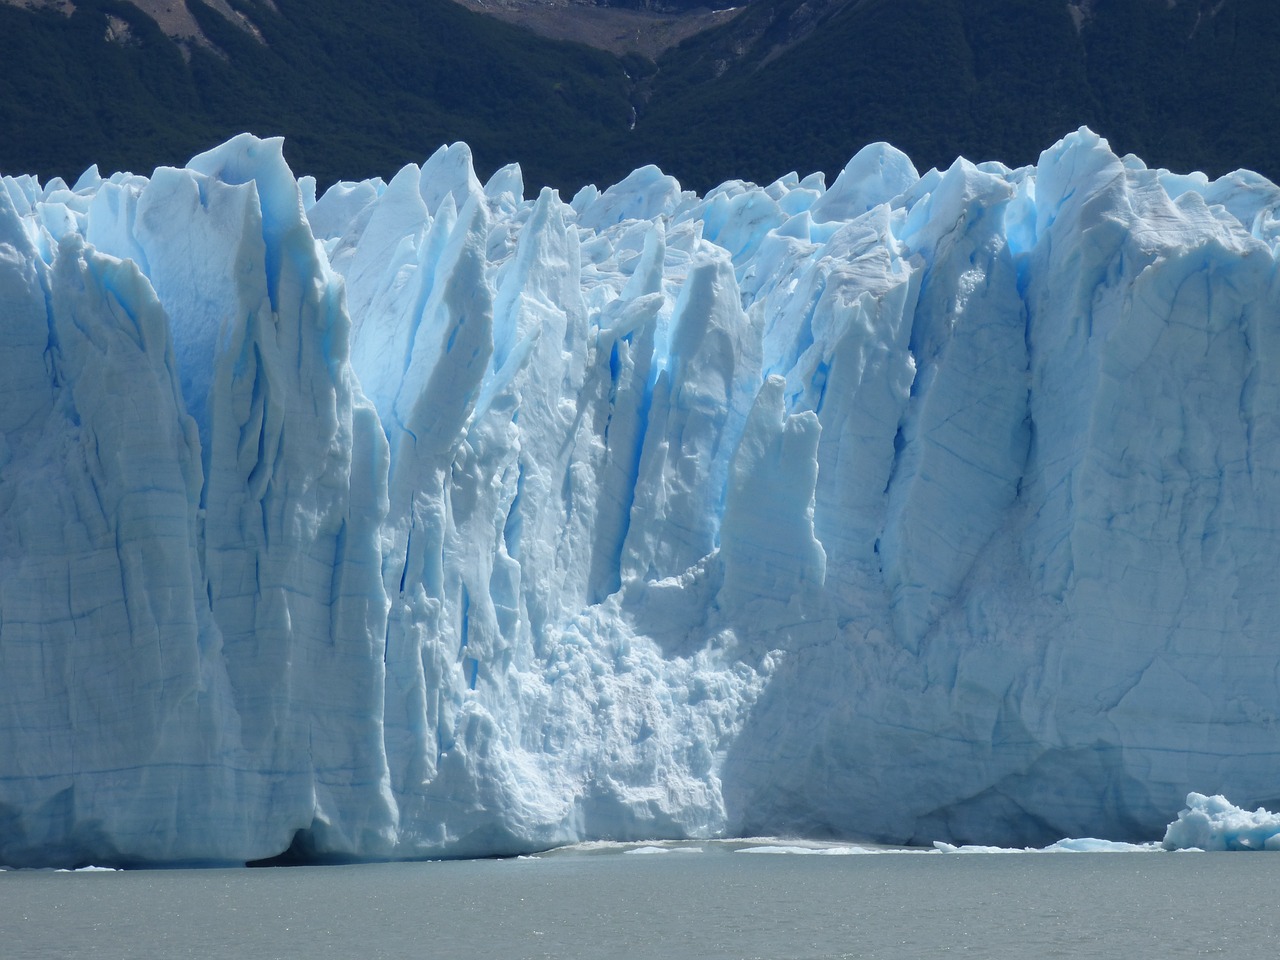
358, 88
1191, 85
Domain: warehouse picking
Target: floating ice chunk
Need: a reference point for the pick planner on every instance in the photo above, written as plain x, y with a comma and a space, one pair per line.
1078, 845
1094, 845
944, 847
1214, 823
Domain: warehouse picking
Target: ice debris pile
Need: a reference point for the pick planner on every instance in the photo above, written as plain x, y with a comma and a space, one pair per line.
1214, 823
1205, 824
423, 519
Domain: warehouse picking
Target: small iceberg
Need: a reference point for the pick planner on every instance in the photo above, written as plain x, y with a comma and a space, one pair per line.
1214, 823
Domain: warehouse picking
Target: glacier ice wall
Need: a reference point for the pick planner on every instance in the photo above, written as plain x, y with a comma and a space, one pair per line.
423, 519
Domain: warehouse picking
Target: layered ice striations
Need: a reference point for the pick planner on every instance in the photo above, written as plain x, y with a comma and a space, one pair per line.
423, 519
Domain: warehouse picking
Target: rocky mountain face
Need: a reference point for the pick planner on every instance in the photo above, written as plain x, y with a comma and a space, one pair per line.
174, 17
635, 27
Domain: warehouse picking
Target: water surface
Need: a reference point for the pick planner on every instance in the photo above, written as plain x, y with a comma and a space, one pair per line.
711, 900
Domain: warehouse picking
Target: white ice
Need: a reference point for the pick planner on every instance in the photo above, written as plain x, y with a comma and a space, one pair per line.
423, 518
1214, 823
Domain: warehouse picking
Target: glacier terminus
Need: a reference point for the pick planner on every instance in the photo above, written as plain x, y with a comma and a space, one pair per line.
422, 519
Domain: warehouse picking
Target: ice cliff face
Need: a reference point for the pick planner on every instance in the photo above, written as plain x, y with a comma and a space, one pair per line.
423, 519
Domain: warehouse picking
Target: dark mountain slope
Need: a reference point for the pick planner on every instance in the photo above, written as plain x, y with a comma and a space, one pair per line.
1189, 86
359, 87
356, 88
1195, 86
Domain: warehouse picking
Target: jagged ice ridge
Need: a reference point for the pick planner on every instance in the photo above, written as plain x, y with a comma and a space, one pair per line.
423, 519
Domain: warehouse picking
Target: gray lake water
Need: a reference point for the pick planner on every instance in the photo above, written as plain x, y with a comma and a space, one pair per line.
708, 900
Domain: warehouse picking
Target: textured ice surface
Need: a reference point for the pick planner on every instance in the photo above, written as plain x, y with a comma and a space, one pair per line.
424, 519
1213, 823
1075, 845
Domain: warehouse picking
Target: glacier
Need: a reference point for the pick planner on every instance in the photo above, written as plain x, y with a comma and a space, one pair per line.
422, 519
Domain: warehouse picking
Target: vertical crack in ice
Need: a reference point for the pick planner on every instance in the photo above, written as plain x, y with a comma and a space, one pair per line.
1019, 447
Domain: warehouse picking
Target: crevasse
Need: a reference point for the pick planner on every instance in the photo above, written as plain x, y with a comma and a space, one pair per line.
424, 519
